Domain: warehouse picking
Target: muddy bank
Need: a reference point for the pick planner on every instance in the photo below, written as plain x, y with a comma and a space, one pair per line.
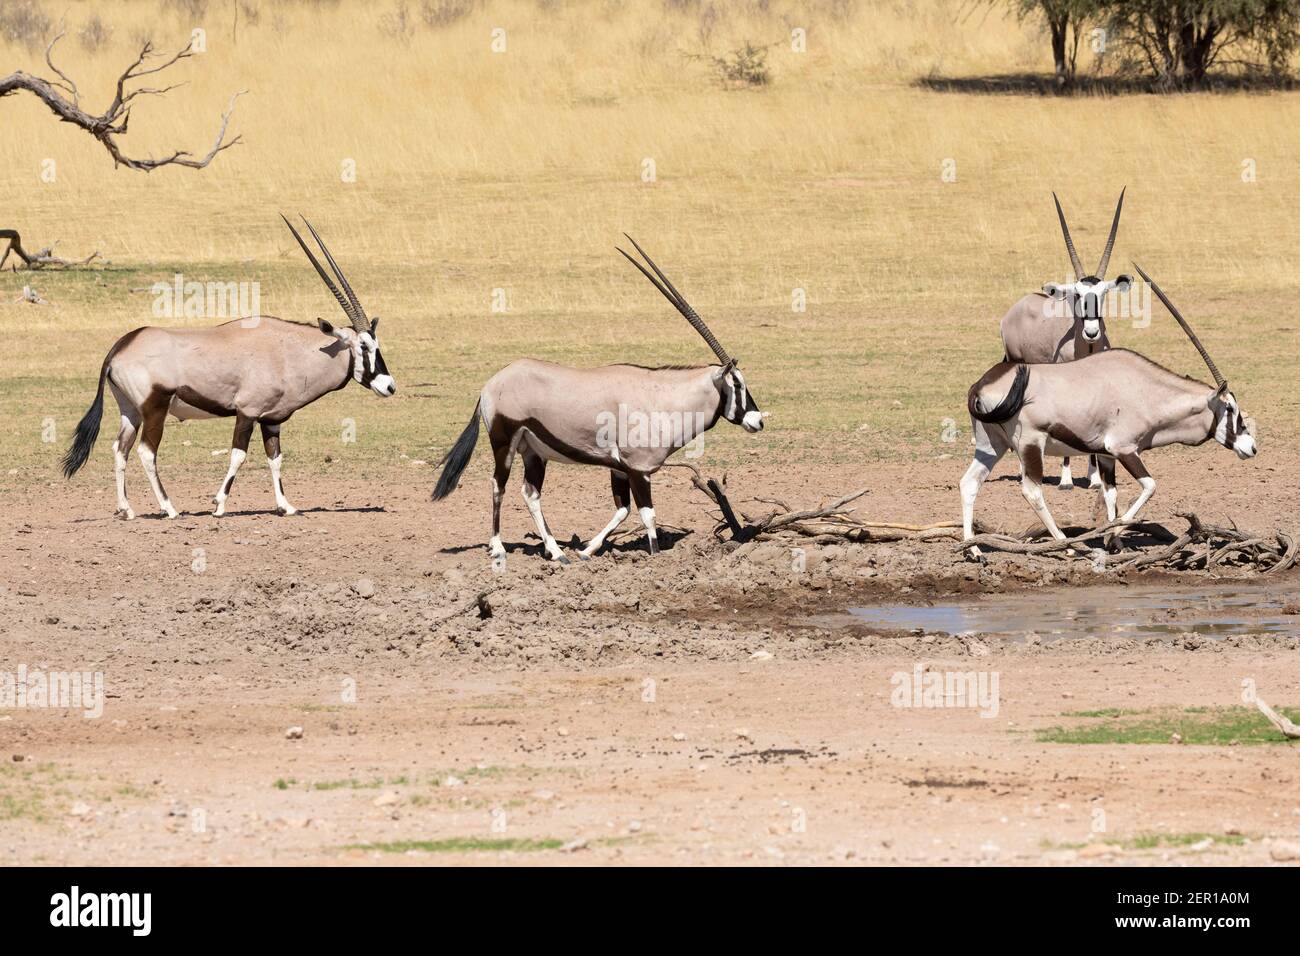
701, 599
712, 704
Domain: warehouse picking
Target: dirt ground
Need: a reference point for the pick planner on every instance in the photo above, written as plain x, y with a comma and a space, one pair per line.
692, 708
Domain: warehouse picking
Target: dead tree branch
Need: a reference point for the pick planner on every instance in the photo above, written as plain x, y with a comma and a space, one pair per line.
1285, 726
1201, 547
828, 522
64, 100
38, 259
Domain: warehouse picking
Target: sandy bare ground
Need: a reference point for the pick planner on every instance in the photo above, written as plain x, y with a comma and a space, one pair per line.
684, 709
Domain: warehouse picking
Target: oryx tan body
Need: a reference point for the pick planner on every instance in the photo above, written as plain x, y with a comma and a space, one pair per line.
559, 410
264, 368
258, 370
1114, 404
1039, 330
626, 418
1065, 322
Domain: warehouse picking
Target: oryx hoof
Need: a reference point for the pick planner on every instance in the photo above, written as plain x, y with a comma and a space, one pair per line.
220, 509
1112, 543
286, 511
172, 514
583, 556
126, 514
974, 554
561, 559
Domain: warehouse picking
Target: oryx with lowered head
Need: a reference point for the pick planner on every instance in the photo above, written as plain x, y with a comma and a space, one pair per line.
627, 418
258, 369
1114, 404
1067, 321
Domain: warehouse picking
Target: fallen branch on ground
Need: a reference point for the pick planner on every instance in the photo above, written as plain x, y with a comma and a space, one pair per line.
1201, 547
1288, 729
827, 523
40, 258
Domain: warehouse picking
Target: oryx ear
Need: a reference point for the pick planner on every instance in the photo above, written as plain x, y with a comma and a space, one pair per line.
1219, 393
1055, 291
1122, 283
374, 326
329, 329
720, 373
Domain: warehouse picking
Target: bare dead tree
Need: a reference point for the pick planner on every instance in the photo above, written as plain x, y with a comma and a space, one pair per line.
64, 100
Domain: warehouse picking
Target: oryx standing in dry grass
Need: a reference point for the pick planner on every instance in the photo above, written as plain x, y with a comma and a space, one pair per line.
1065, 322
1114, 404
627, 418
259, 369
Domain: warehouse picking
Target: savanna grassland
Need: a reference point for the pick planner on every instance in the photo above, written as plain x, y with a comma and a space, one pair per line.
519, 170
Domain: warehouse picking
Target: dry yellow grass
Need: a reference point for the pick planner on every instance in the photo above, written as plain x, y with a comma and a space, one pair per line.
519, 170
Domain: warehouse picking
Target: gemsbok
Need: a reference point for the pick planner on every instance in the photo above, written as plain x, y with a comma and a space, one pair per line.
1114, 404
259, 369
627, 418
1065, 321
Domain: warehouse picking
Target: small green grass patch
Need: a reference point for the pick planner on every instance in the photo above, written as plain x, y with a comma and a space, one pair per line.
1213, 726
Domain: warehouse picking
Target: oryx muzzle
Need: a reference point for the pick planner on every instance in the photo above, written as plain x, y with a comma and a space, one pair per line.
626, 418
258, 369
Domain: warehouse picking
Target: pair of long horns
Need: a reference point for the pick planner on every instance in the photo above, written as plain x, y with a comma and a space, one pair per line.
351, 306
672, 295
1110, 243
1219, 380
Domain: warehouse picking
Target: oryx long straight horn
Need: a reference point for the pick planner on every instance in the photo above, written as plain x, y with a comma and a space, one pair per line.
672, 295
1178, 316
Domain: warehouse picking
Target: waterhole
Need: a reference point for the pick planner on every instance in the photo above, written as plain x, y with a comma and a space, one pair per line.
1103, 611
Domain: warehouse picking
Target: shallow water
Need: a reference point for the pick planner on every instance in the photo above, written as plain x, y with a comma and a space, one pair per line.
1103, 612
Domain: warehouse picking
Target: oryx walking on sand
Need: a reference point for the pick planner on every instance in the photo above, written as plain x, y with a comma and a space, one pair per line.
1114, 404
1065, 322
259, 369
627, 418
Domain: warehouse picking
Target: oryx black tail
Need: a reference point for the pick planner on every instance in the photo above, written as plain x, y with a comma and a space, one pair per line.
1011, 403
88, 428
454, 461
